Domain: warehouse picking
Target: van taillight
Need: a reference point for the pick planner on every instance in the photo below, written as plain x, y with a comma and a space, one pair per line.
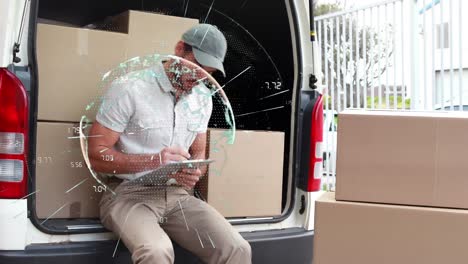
316, 142
13, 136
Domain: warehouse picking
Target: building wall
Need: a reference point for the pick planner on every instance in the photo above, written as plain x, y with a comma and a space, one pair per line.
441, 50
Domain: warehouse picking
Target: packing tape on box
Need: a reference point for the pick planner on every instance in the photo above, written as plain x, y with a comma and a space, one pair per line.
83, 41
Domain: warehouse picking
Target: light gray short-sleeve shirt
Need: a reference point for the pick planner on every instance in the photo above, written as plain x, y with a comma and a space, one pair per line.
141, 106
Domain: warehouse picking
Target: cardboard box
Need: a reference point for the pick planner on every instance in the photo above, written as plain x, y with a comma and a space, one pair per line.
60, 167
414, 158
150, 33
72, 61
365, 233
246, 178
71, 64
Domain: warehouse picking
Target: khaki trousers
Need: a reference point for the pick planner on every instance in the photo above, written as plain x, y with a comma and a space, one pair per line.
147, 218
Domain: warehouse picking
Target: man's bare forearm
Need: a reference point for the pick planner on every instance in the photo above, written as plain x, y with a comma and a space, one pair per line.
113, 161
198, 150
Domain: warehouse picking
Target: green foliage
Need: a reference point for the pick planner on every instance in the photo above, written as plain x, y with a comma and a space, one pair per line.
323, 9
399, 100
350, 64
327, 101
324, 187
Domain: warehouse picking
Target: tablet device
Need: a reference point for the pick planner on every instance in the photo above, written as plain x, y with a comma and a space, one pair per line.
161, 175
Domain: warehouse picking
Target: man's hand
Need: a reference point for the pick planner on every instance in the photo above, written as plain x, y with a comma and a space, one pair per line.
173, 154
187, 177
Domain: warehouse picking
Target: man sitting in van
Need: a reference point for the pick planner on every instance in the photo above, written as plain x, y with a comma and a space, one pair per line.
145, 123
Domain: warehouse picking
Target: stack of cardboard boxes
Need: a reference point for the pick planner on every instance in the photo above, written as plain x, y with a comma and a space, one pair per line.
72, 62
401, 193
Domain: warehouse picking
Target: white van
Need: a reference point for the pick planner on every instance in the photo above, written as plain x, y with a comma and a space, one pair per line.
272, 36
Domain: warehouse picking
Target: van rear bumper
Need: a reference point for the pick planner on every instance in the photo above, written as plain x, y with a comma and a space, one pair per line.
293, 245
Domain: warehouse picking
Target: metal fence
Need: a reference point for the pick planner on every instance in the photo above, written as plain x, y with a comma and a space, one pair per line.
396, 54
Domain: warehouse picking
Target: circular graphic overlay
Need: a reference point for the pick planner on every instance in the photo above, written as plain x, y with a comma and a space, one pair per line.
134, 84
